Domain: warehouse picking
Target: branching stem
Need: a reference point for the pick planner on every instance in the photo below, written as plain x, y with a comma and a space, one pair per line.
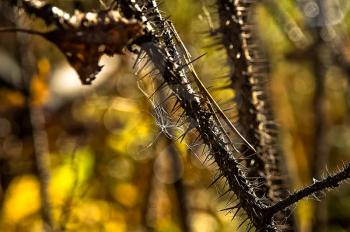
22, 30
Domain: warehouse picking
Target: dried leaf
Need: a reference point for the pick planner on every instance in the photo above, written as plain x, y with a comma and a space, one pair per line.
84, 37
90, 36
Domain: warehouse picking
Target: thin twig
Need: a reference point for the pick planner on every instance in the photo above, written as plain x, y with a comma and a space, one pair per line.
23, 30
41, 152
180, 189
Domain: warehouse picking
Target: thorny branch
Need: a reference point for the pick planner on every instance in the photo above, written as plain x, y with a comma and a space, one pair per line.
330, 182
162, 46
163, 51
322, 51
249, 78
320, 155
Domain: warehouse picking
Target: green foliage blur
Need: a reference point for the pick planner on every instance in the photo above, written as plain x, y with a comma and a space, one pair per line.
111, 168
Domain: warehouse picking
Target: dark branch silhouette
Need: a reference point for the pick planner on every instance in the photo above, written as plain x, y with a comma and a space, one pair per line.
328, 183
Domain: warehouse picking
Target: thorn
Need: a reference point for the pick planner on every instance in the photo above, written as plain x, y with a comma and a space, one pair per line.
231, 208
197, 138
180, 117
235, 214
189, 63
176, 106
190, 127
216, 179
223, 194
162, 85
138, 60
240, 225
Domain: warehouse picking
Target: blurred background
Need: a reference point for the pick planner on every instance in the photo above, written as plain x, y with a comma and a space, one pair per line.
93, 158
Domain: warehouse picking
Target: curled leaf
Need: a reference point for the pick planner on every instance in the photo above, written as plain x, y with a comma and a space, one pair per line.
84, 37
91, 35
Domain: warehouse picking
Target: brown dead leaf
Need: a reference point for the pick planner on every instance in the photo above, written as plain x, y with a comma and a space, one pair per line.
89, 36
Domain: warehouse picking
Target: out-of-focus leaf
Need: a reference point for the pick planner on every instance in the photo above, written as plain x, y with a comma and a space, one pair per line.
22, 199
38, 86
123, 190
11, 99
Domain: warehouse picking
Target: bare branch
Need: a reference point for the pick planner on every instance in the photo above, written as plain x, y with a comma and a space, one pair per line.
42, 160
